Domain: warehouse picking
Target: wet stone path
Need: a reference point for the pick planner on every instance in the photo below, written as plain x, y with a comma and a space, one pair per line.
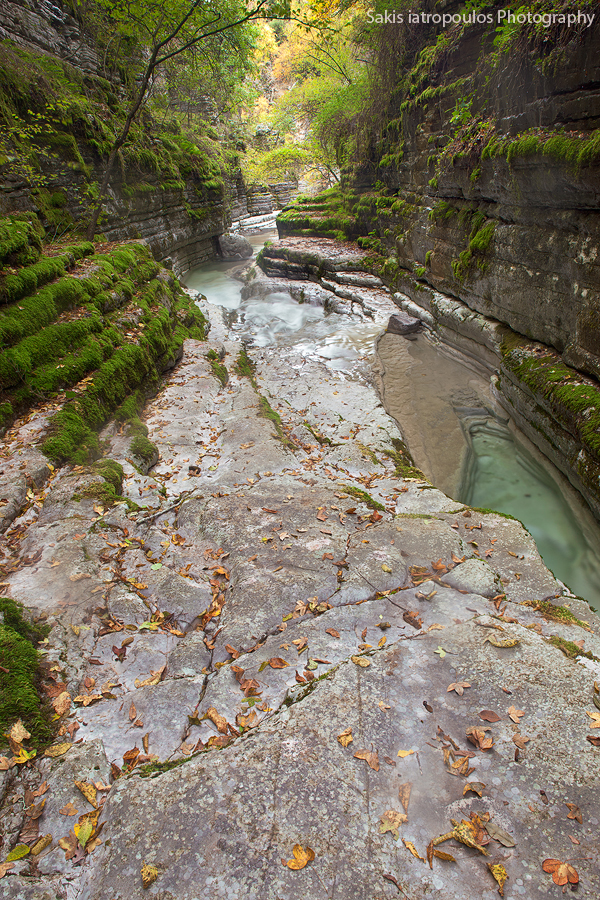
295, 664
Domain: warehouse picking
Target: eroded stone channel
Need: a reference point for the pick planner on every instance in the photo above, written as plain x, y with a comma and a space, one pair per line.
288, 578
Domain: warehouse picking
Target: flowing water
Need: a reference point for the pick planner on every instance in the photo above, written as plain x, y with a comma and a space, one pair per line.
457, 434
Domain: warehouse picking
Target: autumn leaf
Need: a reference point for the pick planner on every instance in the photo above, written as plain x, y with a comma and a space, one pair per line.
69, 810
19, 852
499, 834
301, 857
412, 617
391, 821
404, 794
361, 661
216, 719
277, 663
57, 750
41, 844
62, 703
562, 872
332, 632
5, 867
149, 875
441, 854
502, 641
88, 791
410, 846
18, 733
479, 738
595, 717
476, 786
488, 715
499, 875
515, 714
520, 740
370, 757
574, 812
403, 753
458, 686
345, 737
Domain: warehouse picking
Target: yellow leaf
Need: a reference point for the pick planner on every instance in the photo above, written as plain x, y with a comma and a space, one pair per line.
502, 642
41, 844
84, 832
440, 854
391, 821
499, 874
149, 875
386, 568
371, 757
345, 737
361, 661
404, 794
403, 753
88, 791
57, 750
19, 852
301, 857
410, 846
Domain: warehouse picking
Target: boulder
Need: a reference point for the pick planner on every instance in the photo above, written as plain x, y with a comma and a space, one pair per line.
402, 323
234, 246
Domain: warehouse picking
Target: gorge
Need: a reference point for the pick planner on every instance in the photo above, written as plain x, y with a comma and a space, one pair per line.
250, 646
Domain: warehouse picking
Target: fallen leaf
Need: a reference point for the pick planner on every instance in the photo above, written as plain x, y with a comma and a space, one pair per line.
594, 739
573, 839
41, 844
383, 706
69, 810
88, 791
499, 835
149, 875
562, 872
57, 750
479, 738
5, 867
361, 661
216, 719
404, 753
332, 632
488, 715
132, 713
412, 617
382, 642
499, 874
370, 757
574, 812
595, 717
441, 652
459, 687
520, 740
386, 568
502, 642
404, 794
277, 663
410, 846
441, 854
515, 714
345, 737
18, 733
19, 852
391, 821
476, 786
301, 857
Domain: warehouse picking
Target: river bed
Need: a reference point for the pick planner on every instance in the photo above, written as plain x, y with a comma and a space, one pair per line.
457, 434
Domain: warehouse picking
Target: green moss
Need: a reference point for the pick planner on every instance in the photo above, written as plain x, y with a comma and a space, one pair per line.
362, 496
20, 697
218, 369
556, 613
143, 448
266, 411
403, 461
569, 648
246, 367
318, 436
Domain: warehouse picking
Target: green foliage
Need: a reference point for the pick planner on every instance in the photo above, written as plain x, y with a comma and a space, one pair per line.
575, 151
218, 369
362, 496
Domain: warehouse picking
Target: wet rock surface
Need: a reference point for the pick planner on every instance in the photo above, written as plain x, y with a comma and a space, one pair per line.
280, 581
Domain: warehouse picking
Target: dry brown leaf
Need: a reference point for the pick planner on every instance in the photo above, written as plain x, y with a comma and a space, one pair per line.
458, 686
413, 618
5, 867
410, 846
370, 757
216, 719
332, 632
479, 738
574, 812
69, 810
132, 712
476, 786
520, 740
595, 717
345, 737
502, 642
276, 662
404, 794
18, 733
488, 715
301, 858
503, 837
41, 844
383, 705
441, 854
515, 714
562, 872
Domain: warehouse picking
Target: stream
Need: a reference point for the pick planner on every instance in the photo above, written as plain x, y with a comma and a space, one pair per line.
457, 434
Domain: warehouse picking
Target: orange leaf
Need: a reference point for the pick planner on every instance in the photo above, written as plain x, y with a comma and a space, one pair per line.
277, 663
301, 857
561, 872
370, 756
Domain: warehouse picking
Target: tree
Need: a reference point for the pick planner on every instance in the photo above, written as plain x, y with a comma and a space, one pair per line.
165, 30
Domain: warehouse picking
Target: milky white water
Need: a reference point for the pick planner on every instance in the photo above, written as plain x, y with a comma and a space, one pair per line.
443, 407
